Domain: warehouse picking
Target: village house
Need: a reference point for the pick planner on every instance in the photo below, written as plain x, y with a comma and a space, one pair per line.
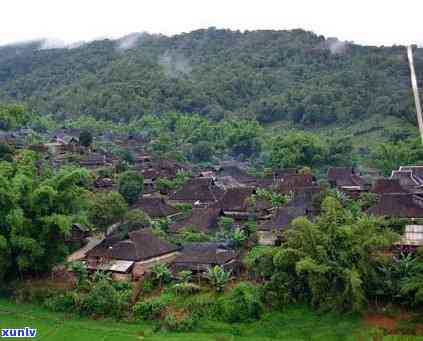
410, 178
238, 175
270, 232
400, 205
133, 257
302, 205
388, 186
203, 220
93, 161
200, 257
411, 239
237, 203
347, 180
155, 207
283, 172
198, 191
78, 234
297, 183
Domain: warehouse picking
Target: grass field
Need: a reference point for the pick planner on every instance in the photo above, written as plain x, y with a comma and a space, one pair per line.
294, 324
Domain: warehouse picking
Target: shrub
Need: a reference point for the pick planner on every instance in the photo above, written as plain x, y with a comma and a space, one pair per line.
149, 309
105, 300
35, 295
242, 304
184, 323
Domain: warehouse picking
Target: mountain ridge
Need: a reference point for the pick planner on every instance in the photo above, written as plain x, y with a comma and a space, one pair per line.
269, 75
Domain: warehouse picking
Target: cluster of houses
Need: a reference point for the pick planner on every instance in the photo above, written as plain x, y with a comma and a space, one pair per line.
225, 190
399, 196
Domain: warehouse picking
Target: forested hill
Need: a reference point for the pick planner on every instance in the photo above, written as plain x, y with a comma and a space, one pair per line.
270, 75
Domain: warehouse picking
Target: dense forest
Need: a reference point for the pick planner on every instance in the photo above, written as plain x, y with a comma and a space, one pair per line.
269, 75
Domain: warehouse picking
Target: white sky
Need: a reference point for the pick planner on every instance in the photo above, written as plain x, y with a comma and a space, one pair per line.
374, 22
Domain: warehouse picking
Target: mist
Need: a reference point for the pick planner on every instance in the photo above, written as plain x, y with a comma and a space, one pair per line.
175, 64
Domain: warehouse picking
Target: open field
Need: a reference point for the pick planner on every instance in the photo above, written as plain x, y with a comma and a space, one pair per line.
296, 323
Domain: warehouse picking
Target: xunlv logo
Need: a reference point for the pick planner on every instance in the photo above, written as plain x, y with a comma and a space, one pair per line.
19, 332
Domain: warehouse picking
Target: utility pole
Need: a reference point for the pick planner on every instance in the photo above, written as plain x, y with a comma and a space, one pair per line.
415, 90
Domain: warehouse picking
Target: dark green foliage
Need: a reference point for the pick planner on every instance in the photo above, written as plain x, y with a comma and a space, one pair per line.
149, 309
106, 209
329, 261
390, 156
86, 138
37, 213
269, 75
13, 116
242, 304
131, 185
202, 151
137, 219
6, 152
101, 297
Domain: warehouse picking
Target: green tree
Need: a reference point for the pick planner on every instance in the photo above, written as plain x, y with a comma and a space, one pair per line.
136, 219
85, 138
106, 209
131, 185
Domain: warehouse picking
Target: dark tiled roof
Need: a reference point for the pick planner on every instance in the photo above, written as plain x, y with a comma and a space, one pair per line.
155, 207
205, 253
408, 179
141, 245
398, 205
235, 199
388, 186
281, 173
417, 171
199, 189
296, 183
344, 176
201, 219
237, 173
283, 217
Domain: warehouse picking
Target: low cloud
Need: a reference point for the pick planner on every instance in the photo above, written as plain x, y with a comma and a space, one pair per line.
133, 40
175, 64
335, 46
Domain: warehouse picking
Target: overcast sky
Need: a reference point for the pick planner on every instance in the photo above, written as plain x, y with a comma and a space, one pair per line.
370, 22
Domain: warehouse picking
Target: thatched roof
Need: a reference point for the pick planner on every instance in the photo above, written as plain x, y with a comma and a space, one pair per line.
236, 199
399, 206
155, 207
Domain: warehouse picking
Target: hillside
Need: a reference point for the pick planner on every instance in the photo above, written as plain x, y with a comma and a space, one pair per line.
294, 76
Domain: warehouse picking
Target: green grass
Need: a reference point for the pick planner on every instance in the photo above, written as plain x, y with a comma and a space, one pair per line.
294, 324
